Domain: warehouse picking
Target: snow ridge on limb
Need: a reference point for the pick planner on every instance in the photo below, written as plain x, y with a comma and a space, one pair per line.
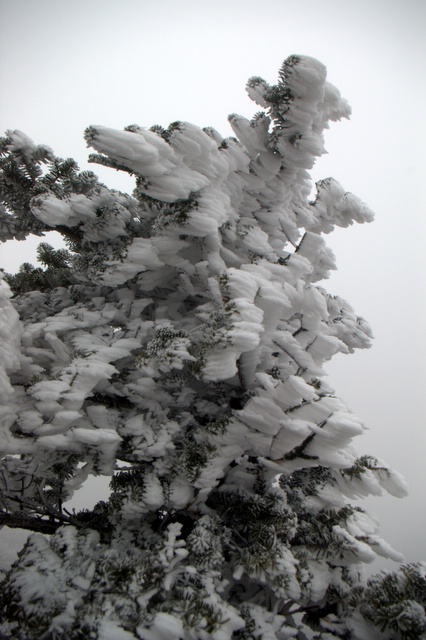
184, 356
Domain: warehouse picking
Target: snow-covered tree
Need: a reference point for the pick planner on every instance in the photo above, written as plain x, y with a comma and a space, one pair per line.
178, 346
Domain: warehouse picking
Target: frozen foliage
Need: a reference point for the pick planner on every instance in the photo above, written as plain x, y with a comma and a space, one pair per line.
178, 347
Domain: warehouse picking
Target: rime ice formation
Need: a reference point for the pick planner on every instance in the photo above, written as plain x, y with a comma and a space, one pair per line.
181, 350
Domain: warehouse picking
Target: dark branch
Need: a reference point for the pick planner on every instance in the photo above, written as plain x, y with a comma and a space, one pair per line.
298, 451
21, 521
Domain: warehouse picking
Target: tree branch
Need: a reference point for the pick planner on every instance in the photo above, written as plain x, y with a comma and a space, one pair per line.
298, 450
30, 523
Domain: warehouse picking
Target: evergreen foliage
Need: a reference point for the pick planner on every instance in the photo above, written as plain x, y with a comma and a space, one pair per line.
177, 346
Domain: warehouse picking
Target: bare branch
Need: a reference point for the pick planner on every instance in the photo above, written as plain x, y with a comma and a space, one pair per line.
30, 523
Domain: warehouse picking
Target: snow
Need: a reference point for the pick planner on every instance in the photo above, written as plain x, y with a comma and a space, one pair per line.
360, 549
24, 145
320, 579
164, 627
10, 339
77, 209
111, 630
262, 414
143, 152
333, 206
363, 629
153, 496
40, 580
392, 481
292, 391
96, 436
11, 542
192, 345
384, 549
220, 365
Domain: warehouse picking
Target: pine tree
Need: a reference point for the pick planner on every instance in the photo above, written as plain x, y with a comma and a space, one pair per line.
178, 346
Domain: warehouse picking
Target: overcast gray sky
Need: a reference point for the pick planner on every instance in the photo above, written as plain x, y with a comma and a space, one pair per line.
66, 65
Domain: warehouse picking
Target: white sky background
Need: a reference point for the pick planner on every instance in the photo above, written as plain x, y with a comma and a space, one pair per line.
66, 65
